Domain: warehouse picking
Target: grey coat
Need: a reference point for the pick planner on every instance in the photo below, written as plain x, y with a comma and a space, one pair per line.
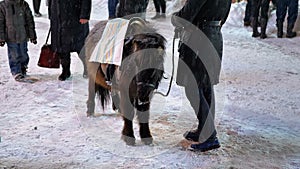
16, 21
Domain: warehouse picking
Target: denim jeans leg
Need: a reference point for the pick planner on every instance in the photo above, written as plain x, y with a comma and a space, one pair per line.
112, 4
23, 54
13, 57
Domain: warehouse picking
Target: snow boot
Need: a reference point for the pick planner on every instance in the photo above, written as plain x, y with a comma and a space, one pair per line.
263, 27
279, 29
209, 144
65, 63
289, 32
254, 27
19, 77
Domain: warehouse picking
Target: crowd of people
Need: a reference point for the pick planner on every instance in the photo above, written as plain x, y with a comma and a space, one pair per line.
256, 14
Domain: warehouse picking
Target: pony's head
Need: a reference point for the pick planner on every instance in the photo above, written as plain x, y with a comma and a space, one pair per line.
145, 49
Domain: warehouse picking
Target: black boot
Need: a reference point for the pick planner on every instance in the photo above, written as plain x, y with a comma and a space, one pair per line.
65, 61
279, 29
289, 32
263, 27
254, 26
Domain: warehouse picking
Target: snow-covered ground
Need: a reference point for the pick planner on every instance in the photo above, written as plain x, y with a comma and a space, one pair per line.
44, 125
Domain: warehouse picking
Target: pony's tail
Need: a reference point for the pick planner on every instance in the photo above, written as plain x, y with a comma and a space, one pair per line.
103, 94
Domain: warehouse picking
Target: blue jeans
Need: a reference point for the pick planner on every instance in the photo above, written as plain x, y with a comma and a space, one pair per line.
112, 5
17, 56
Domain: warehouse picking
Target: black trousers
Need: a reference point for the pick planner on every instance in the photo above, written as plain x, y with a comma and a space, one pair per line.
36, 6
262, 6
203, 103
290, 6
160, 4
248, 11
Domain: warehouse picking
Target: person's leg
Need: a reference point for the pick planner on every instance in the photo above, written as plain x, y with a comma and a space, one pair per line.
254, 20
13, 58
163, 8
208, 136
280, 16
203, 105
36, 8
292, 17
264, 17
24, 58
157, 9
112, 4
247, 20
65, 60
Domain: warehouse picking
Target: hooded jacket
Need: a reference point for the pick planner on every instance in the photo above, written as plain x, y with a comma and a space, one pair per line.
16, 21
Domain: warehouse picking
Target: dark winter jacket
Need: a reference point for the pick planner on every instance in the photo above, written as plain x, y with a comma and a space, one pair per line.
201, 49
16, 21
67, 33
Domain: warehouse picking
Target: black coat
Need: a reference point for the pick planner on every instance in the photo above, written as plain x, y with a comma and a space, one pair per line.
201, 49
67, 33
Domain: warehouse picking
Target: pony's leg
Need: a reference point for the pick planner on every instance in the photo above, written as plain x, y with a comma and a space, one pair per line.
143, 118
82, 57
127, 110
127, 132
91, 98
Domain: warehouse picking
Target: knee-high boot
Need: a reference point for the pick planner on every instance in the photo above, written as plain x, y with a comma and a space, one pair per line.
279, 29
65, 60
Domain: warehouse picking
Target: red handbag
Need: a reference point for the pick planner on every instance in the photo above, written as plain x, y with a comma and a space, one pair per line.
48, 58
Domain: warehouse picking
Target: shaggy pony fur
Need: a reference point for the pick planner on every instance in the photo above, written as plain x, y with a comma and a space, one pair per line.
133, 82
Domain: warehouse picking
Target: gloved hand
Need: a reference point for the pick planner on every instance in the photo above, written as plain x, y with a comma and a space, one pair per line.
33, 41
2, 43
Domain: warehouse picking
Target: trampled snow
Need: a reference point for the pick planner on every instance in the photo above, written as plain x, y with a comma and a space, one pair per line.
44, 125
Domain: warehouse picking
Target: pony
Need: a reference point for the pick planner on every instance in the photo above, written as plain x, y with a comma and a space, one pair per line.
134, 82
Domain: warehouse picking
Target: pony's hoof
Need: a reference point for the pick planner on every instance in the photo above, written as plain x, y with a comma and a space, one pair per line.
147, 141
128, 140
89, 114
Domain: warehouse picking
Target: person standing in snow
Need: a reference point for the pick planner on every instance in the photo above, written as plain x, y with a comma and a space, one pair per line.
132, 8
282, 7
69, 23
16, 28
160, 8
200, 51
263, 7
112, 6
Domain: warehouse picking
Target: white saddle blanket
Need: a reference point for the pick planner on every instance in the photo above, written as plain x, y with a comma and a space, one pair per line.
110, 47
